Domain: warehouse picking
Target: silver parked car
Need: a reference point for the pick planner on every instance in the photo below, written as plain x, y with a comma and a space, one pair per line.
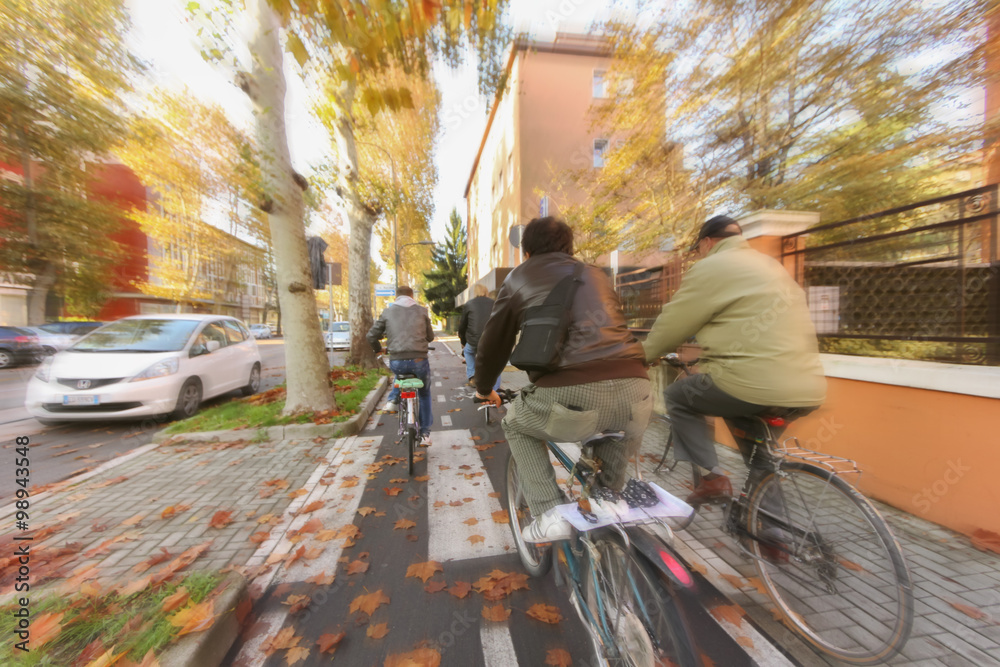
339, 336
260, 331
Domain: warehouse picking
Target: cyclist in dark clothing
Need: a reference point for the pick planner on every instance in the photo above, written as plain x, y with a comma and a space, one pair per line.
474, 316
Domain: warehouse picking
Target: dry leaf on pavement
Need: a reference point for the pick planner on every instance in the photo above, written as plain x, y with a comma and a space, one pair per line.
544, 613
496, 613
369, 603
476, 539
558, 657
194, 619
357, 567
365, 511
501, 516
392, 491
404, 524
296, 654
311, 507
460, 589
421, 657
323, 579
221, 519
424, 571
284, 639
435, 586
260, 537
378, 630
500, 584
175, 601
728, 612
328, 642
161, 557
45, 628
471, 521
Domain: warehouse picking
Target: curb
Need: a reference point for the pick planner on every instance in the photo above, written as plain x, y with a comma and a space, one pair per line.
352, 426
209, 648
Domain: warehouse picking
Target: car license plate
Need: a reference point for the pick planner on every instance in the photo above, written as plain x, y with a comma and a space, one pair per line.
84, 399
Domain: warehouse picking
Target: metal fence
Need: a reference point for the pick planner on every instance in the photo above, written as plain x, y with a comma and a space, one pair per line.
916, 282
644, 291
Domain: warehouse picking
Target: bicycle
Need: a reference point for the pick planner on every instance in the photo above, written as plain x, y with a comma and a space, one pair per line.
506, 396
409, 410
826, 557
623, 576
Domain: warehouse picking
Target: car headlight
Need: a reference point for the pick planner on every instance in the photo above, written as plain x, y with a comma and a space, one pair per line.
159, 369
44, 369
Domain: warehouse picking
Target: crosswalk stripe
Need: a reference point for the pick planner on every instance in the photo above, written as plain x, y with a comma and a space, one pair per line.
450, 538
498, 647
445, 420
362, 450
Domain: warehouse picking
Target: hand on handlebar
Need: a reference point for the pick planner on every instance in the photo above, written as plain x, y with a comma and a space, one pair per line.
493, 398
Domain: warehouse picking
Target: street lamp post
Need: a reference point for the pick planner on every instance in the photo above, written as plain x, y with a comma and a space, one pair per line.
397, 256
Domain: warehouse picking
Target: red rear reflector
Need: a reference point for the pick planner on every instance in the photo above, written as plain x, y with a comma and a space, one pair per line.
676, 568
21, 339
774, 421
408, 394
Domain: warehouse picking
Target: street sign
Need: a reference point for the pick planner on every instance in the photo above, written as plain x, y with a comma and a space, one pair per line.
334, 275
384, 290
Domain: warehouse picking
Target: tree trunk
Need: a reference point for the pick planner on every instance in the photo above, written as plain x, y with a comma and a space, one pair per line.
45, 278
306, 363
362, 221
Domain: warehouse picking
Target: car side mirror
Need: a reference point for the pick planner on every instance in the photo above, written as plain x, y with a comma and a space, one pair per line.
213, 345
197, 350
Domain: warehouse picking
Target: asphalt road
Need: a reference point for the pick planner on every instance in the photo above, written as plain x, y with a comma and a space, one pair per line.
61, 451
443, 513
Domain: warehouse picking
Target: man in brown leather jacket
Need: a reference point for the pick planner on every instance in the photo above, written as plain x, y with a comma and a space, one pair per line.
600, 383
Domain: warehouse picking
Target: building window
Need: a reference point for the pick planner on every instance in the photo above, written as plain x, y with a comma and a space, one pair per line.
600, 148
600, 83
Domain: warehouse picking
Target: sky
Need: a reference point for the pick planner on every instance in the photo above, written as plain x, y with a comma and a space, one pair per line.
161, 36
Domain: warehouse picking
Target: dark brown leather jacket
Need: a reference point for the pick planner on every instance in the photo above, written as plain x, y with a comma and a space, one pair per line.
599, 345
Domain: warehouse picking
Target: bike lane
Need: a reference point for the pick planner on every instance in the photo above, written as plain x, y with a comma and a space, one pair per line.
392, 570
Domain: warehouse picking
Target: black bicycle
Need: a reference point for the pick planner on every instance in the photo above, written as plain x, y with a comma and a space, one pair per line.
825, 555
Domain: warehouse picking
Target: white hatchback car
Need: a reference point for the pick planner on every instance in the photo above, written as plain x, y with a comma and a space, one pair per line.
144, 366
338, 337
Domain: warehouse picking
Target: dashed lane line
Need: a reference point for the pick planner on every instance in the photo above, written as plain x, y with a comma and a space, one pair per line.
498, 647
464, 482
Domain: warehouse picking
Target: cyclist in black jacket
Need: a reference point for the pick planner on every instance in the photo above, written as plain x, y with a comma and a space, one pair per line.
474, 316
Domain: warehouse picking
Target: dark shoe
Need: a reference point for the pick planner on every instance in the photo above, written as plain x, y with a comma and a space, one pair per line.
717, 488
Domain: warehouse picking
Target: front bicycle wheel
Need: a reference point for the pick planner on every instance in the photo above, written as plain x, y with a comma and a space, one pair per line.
536, 559
831, 564
634, 610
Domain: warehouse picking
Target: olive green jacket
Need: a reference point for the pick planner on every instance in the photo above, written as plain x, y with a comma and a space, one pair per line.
752, 322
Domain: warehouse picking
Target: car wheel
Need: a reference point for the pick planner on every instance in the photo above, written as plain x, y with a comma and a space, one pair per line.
188, 400
253, 386
6, 359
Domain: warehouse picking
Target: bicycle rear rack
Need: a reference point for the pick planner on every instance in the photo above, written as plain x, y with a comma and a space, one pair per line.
835, 464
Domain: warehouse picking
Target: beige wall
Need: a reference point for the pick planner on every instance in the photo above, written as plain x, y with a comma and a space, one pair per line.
541, 127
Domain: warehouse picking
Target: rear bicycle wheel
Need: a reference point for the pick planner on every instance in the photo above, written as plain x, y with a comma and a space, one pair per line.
411, 443
536, 559
634, 609
831, 564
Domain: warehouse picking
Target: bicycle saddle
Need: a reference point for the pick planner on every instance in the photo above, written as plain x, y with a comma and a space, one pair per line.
406, 376
778, 416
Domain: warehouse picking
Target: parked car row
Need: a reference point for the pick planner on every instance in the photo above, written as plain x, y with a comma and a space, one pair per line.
18, 346
146, 365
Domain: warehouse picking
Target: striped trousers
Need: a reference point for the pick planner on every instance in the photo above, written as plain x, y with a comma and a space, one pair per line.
570, 414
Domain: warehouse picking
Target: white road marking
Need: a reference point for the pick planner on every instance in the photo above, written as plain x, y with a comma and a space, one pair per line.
445, 420
441, 398
449, 537
438, 383
354, 454
498, 647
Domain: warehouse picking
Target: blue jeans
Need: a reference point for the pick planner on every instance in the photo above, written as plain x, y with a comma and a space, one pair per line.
470, 364
422, 369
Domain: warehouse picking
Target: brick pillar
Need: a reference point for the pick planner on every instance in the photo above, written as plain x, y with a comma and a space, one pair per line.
764, 230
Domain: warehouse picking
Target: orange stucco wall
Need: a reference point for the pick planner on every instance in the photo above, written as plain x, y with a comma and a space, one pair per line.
932, 454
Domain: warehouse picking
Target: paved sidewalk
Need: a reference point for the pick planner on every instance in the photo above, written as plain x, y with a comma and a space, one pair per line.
956, 586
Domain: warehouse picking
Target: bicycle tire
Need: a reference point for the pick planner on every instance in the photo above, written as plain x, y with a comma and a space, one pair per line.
637, 609
843, 583
411, 443
536, 560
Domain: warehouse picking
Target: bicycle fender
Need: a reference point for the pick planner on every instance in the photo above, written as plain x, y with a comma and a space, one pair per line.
662, 557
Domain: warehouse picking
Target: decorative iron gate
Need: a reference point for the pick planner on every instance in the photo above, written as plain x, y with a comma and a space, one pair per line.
917, 282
